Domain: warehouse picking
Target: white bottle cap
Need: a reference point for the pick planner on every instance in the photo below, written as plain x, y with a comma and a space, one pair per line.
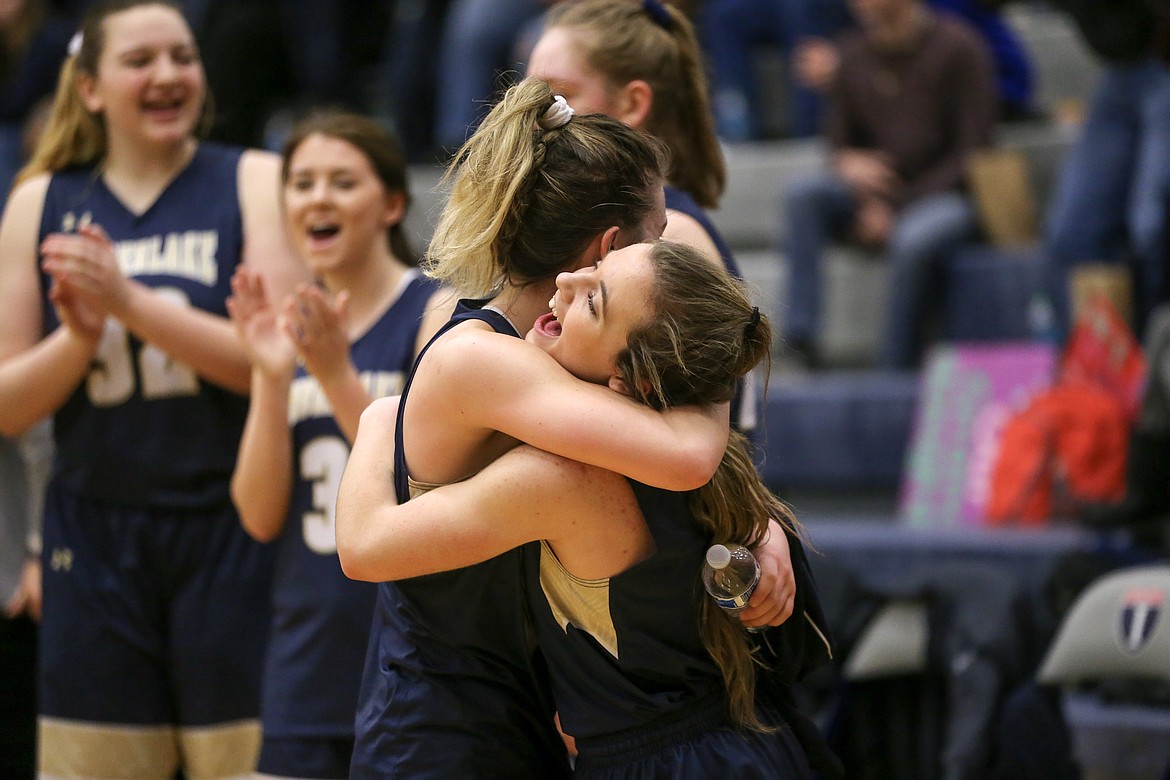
718, 556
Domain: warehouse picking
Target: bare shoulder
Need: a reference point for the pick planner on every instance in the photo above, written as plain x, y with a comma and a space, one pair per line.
20, 298
21, 223
474, 345
258, 180
27, 200
259, 162
685, 229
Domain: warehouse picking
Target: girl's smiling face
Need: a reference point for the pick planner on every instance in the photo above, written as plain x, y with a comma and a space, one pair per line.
337, 207
594, 310
557, 59
149, 81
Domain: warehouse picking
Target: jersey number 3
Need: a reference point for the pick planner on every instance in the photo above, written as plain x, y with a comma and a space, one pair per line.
322, 464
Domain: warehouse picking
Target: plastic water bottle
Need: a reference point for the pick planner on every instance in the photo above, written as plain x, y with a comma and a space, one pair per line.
730, 575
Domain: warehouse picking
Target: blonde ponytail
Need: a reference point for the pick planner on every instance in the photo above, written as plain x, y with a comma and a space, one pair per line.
71, 136
527, 200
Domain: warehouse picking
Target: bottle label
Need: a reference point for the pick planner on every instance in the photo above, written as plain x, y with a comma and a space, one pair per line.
736, 603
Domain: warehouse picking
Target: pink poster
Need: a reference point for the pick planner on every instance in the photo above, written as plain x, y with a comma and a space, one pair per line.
968, 392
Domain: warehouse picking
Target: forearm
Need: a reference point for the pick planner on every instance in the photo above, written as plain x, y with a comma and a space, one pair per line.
523, 495
678, 449
206, 343
36, 383
348, 399
262, 478
675, 453
367, 488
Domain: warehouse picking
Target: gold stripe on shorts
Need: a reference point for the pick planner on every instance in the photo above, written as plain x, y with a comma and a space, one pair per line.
221, 751
72, 750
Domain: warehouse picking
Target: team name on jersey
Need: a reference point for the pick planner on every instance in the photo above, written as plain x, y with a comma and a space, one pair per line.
306, 398
190, 255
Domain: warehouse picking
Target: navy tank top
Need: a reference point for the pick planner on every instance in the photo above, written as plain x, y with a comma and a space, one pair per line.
321, 618
625, 651
143, 429
454, 686
681, 201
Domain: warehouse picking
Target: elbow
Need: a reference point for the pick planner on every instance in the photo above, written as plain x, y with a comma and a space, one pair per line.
261, 533
261, 530
355, 564
697, 471
354, 569
12, 429
351, 553
261, 526
15, 426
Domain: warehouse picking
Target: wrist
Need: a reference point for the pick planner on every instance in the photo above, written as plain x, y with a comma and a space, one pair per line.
337, 376
124, 304
272, 379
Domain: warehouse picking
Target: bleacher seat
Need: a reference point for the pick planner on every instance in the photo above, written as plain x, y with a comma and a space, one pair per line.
838, 431
1112, 658
990, 293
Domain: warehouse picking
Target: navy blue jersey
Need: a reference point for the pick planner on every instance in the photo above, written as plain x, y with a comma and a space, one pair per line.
743, 404
143, 429
632, 680
321, 619
626, 650
453, 686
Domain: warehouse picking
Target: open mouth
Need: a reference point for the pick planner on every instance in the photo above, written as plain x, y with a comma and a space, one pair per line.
548, 325
323, 231
164, 105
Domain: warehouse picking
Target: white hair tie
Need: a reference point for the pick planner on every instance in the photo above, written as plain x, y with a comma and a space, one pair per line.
74, 44
556, 115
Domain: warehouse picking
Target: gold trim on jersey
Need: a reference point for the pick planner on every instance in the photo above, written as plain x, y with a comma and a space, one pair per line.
584, 603
416, 487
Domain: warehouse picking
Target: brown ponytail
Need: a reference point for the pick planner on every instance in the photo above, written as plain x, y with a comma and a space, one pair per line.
624, 42
706, 334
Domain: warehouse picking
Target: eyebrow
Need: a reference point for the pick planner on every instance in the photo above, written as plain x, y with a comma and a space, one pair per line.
604, 297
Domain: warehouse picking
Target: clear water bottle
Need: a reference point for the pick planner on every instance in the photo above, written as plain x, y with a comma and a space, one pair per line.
730, 575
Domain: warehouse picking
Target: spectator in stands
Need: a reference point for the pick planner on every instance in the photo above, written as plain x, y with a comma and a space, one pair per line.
1108, 205
912, 98
803, 30
476, 46
731, 29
